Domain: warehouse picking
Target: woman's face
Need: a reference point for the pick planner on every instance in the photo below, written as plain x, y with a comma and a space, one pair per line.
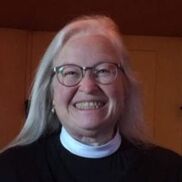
88, 109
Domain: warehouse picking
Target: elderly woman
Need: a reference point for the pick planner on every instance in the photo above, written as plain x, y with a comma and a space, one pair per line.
85, 120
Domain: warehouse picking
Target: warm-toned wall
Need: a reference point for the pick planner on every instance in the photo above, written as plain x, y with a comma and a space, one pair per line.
13, 65
20, 52
157, 61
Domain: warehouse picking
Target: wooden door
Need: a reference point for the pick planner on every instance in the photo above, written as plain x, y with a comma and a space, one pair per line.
13, 60
157, 62
39, 42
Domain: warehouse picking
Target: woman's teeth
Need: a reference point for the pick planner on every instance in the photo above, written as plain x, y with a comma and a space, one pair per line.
86, 105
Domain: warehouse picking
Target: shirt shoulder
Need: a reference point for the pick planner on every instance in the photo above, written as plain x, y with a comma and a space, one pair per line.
21, 162
163, 156
152, 152
162, 163
152, 163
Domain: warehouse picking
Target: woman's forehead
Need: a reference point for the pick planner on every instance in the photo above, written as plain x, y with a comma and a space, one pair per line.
85, 47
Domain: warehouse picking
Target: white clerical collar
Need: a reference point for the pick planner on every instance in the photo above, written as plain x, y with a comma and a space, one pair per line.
88, 151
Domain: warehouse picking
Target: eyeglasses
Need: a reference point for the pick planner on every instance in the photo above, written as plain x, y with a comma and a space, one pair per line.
70, 74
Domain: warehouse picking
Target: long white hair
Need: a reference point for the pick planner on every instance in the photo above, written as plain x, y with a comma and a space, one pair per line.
40, 120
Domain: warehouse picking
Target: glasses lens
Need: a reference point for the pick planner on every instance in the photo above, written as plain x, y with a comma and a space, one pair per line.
105, 73
69, 75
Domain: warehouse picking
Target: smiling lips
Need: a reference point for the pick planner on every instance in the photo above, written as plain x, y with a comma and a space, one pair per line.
89, 105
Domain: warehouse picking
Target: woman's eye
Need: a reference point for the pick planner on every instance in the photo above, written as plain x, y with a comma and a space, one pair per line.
70, 73
102, 72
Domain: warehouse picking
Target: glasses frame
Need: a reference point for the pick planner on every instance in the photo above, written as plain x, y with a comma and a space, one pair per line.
83, 69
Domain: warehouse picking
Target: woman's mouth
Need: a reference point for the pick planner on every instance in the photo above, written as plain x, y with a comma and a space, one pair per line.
89, 105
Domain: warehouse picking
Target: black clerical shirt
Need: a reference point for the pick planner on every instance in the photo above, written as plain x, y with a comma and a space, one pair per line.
46, 160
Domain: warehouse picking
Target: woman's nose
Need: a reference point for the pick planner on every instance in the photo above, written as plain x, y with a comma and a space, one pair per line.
88, 83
